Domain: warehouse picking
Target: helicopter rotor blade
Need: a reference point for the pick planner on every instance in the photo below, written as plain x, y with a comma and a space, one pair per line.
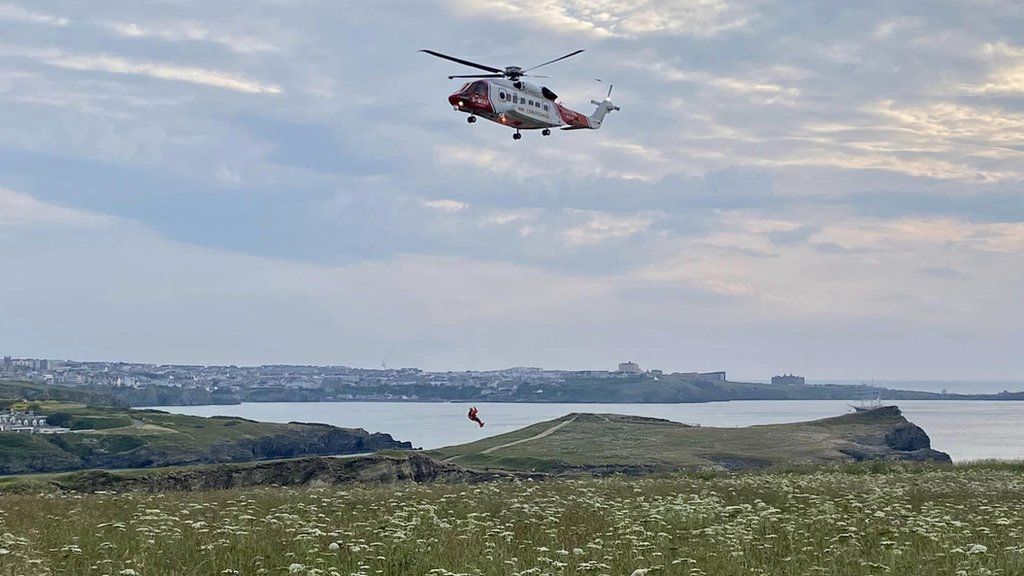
478, 76
555, 60
610, 91
463, 62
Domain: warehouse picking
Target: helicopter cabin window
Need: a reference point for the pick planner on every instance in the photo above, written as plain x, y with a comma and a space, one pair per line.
545, 107
515, 98
501, 96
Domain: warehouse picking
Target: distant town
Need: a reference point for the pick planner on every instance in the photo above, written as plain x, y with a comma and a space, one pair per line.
138, 384
287, 377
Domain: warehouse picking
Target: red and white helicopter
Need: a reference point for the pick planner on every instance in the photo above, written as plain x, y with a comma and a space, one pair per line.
504, 98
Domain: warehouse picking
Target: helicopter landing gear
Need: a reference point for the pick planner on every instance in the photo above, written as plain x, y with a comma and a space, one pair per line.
545, 132
517, 135
471, 119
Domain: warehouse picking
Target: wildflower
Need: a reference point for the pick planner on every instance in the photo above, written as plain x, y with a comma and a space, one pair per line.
978, 549
295, 568
334, 547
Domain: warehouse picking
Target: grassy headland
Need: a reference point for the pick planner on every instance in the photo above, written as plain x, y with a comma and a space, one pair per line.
109, 437
633, 444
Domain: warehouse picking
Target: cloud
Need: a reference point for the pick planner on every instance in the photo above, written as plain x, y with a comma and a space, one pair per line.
601, 227
190, 32
20, 209
765, 91
446, 205
193, 75
782, 185
1007, 76
14, 13
607, 18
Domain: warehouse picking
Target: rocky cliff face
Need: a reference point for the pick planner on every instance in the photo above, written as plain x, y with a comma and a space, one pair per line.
887, 435
24, 454
322, 471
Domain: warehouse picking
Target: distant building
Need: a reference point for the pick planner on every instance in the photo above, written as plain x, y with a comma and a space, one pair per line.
28, 423
788, 380
8, 364
656, 372
702, 376
629, 368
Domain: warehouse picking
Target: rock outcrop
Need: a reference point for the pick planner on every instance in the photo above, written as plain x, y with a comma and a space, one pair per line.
887, 435
382, 468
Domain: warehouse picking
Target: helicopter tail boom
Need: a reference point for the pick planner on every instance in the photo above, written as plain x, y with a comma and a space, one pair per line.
603, 108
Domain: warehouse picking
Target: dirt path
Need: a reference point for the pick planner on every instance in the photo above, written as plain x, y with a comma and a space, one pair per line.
543, 434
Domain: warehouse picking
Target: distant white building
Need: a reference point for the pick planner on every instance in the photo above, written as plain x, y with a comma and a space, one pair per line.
28, 423
712, 376
629, 368
703, 376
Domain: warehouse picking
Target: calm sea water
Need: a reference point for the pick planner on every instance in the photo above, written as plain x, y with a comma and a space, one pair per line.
964, 430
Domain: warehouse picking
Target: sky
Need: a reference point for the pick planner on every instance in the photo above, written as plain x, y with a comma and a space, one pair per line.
827, 189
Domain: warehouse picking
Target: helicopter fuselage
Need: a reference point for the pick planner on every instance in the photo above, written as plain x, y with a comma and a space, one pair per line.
517, 104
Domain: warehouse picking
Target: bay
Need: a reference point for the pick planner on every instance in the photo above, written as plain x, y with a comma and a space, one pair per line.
966, 430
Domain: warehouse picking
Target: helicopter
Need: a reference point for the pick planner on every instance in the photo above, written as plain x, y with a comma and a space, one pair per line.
503, 97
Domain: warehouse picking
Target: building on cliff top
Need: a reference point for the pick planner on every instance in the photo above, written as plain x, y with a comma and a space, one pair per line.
28, 423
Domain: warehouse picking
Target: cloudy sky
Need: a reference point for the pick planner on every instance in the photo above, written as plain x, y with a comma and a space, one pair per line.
834, 191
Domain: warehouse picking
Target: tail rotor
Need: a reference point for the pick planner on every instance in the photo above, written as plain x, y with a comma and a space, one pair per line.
603, 108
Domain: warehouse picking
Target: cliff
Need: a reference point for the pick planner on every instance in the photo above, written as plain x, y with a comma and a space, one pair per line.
150, 438
382, 468
604, 443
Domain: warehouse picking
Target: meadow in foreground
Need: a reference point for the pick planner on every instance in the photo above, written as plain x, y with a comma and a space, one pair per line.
854, 521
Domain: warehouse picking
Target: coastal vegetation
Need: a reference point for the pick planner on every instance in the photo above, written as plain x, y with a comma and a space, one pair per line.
603, 443
112, 437
897, 519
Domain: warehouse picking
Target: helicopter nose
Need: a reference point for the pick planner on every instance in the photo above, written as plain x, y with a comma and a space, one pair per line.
455, 100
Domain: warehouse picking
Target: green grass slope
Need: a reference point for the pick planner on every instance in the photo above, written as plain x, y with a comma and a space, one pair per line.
611, 443
121, 438
20, 391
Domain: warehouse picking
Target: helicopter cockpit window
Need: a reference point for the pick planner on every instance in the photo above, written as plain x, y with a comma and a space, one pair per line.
480, 88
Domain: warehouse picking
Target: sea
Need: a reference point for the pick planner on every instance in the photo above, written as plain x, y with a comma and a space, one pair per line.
966, 430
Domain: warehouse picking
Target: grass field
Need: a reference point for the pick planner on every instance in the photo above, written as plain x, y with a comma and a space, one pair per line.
110, 437
617, 441
896, 519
